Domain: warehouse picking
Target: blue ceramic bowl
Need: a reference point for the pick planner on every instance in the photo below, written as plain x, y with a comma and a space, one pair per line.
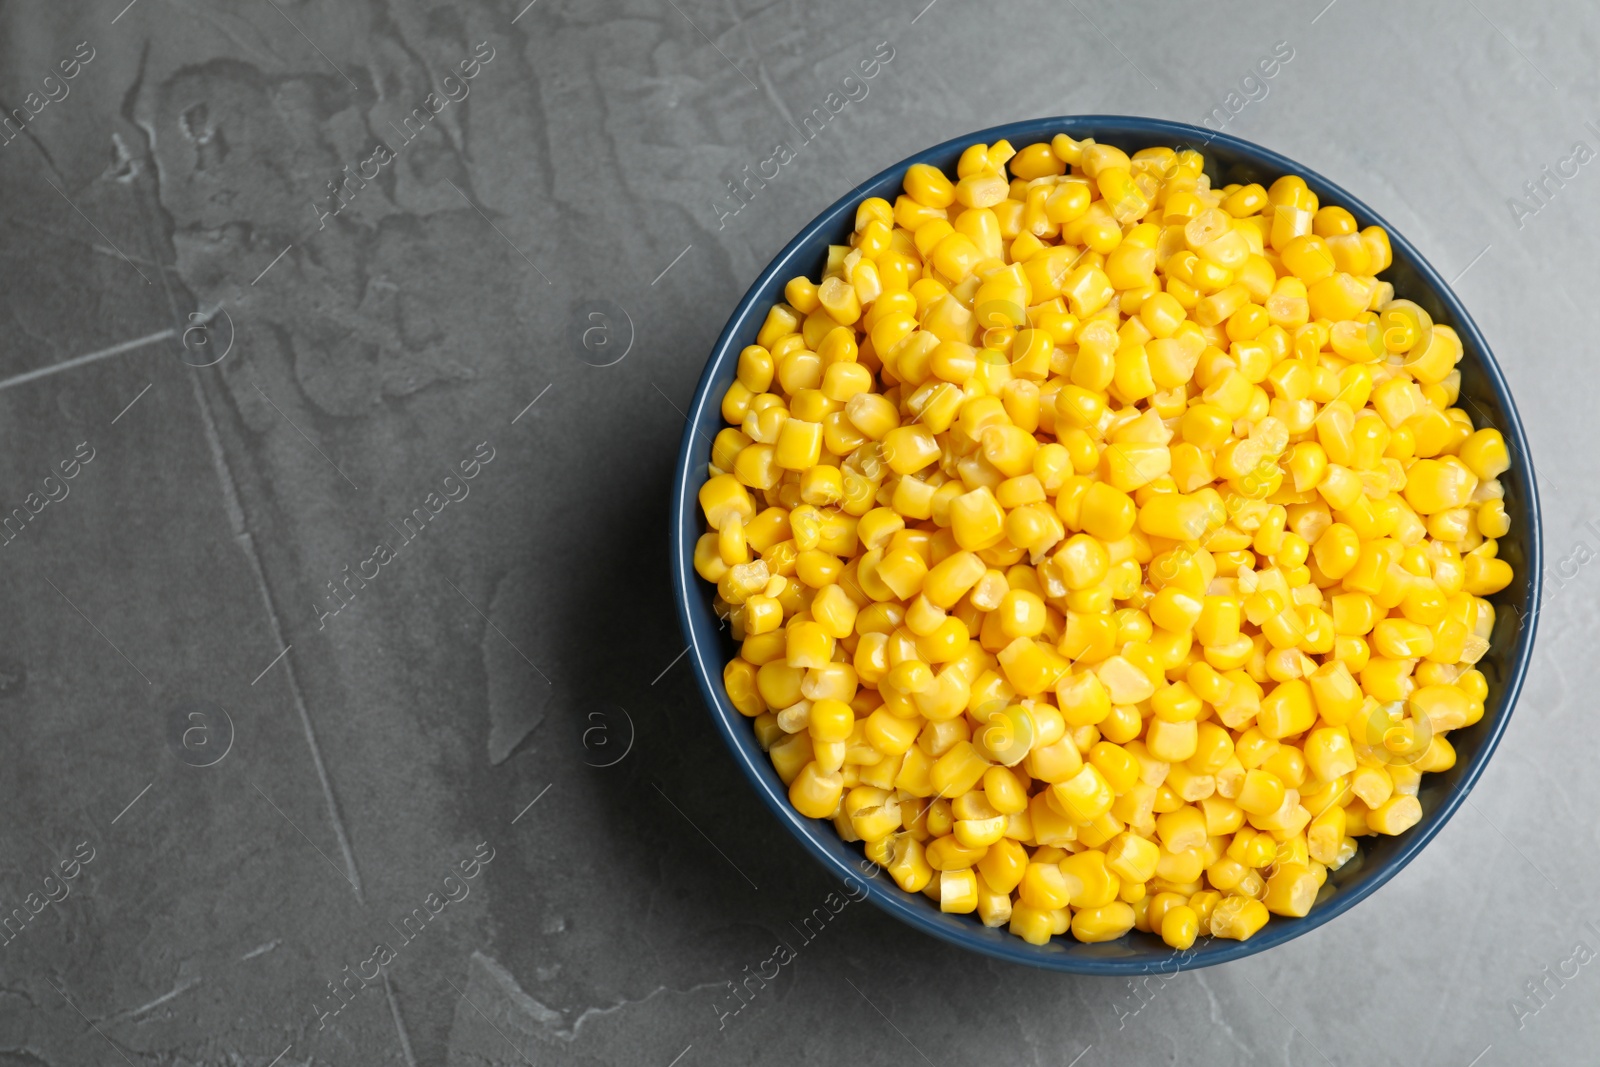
1483, 392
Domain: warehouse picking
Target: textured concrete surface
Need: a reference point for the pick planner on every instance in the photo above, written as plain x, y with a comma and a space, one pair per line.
462, 379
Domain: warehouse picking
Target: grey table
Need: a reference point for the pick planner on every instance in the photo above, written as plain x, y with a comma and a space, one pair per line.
284, 796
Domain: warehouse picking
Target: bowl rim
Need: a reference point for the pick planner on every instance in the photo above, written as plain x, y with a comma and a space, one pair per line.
890, 898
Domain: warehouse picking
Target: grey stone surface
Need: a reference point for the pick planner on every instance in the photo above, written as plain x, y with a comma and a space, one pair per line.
518, 646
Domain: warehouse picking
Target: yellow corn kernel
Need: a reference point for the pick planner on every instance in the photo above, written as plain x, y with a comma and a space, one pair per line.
888, 733
1160, 903
832, 609
1291, 890
958, 770
1132, 858
1030, 666
1084, 796
1287, 710
1181, 867
1083, 697
1176, 703
871, 415
874, 813
831, 720
762, 614
1238, 917
1262, 793
1003, 791
1437, 485
840, 300
1003, 865
1396, 815
1203, 903
722, 497
908, 449
927, 185
1128, 466
1173, 742
1119, 767
1492, 520
1242, 848
1175, 517
1222, 815
1401, 639
1043, 886
1485, 576
1090, 882
726, 447
946, 853
1105, 923
1486, 454
977, 519
1252, 848
1337, 550
814, 793
1439, 756
1219, 621
1083, 561
1288, 764
951, 578
1124, 682
1372, 785
1130, 266
1031, 924
908, 865
708, 561
1087, 290
1179, 927
912, 777
808, 645
958, 892
1182, 829
902, 569
1326, 834
1106, 512
1213, 688
1329, 753
739, 680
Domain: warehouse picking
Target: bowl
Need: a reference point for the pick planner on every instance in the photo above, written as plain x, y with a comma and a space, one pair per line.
1484, 394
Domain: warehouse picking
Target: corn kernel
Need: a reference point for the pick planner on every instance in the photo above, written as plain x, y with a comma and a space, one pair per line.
1105, 923
1291, 890
1396, 815
1238, 918
958, 892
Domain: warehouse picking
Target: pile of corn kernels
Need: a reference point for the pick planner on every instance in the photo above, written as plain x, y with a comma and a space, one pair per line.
1106, 549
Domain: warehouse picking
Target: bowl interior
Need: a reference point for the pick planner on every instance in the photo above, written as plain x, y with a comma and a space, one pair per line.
1483, 394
